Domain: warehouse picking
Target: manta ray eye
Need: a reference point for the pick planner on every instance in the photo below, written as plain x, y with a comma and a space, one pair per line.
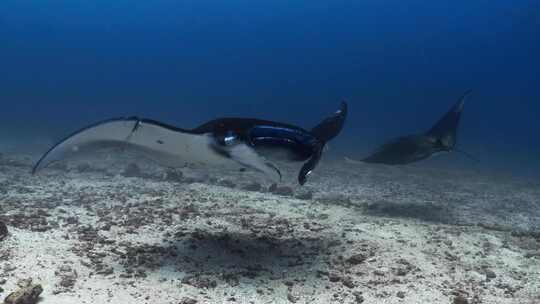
229, 139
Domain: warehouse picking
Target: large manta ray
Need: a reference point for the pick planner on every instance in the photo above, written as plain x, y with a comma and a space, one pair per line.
223, 141
408, 149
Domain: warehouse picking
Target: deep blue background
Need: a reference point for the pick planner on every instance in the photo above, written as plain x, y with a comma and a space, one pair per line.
400, 64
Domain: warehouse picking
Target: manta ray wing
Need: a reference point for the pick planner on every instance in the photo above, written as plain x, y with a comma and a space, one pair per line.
446, 128
402, 150
166, 145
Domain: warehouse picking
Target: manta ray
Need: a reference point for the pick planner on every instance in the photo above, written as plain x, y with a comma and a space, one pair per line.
442, 137
223, 141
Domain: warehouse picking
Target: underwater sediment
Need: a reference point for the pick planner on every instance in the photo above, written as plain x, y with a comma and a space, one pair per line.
95, 231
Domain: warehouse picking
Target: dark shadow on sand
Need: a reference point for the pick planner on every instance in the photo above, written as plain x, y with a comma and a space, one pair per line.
427, 212
230, 255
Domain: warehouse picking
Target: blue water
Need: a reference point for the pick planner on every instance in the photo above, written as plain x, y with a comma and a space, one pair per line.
400, 64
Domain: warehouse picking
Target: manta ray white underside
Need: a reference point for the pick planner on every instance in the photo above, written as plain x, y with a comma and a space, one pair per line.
165, 145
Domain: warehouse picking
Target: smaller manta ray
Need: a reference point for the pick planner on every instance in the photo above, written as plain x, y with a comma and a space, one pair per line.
408, 149
220, 142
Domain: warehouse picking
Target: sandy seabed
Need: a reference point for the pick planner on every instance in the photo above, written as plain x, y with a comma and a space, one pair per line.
108, 231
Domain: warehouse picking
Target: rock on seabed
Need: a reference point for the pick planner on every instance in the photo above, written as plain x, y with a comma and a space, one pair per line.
3, 231
25, 295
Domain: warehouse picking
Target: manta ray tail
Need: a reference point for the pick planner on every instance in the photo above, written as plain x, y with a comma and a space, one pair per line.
324, 132
468, 155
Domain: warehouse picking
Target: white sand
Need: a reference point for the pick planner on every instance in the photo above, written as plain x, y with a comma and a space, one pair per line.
416, 229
